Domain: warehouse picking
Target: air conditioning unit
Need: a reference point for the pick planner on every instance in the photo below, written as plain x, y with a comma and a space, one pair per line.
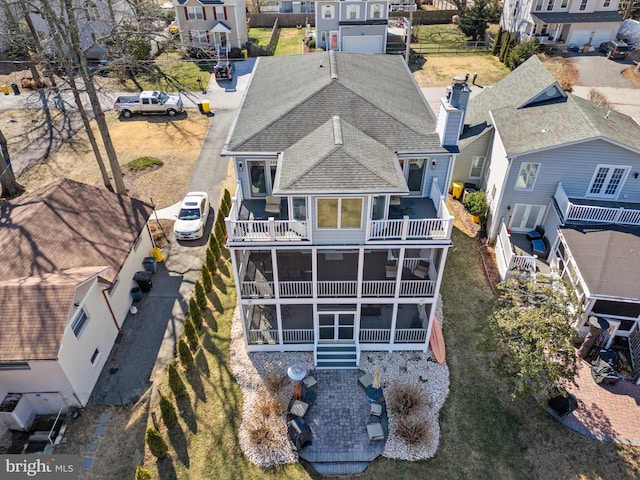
16, 412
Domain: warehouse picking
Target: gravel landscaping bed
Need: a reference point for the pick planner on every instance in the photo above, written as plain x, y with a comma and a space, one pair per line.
397, 368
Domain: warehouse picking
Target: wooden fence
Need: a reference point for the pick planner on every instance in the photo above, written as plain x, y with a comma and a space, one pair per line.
292, 20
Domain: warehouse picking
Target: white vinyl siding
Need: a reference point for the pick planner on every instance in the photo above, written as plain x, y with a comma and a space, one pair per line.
607, 181
527, 176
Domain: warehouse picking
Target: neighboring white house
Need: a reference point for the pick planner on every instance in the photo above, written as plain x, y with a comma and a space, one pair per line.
70, 252
214, 25
352, 26
579, 22
550, 159
338, 229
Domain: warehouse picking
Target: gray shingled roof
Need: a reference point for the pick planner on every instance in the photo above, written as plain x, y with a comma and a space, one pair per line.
338, 158
574, 120
290, 97
566, 17
607, 257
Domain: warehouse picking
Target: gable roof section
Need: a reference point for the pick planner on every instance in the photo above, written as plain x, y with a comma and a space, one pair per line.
68, 224
607, 257
525, 84
35, 311
339, 158
290, 97
575, 120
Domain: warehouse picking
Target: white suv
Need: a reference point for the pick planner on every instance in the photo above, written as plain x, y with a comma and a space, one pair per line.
192, 217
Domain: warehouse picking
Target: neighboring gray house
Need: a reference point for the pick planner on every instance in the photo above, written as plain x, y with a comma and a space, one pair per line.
289, 6
352, 26
552, 22
338, 229
554, 160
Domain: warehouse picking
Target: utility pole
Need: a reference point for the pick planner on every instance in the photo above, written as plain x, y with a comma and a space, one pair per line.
409, 27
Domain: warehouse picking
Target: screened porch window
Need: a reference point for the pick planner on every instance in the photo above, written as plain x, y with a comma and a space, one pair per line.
343, 213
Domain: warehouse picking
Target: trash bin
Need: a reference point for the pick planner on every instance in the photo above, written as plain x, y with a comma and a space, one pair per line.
466, 192
136, 294
457, 189
150, 264
157, 253
245, 54
143, 279
4, 89
206, 106
16, 90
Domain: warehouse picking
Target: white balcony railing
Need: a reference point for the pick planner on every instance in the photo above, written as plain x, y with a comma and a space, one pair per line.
378, 288
297, 335
260, 337
594, 213
337, 289
295, 289
270, 230
410, 229
260, 289
375, 335
417, 288
411, 335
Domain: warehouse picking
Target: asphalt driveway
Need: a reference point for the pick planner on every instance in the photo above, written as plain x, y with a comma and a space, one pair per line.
596, 70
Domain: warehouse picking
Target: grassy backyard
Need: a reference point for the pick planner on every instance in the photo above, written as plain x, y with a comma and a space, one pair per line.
484, 434
289, 42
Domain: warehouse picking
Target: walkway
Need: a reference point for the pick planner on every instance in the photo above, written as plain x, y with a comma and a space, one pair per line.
605, 412
338, 421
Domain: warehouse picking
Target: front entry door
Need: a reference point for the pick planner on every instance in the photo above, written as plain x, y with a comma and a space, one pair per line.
336, 327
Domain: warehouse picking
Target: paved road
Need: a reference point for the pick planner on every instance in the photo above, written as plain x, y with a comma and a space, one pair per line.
148, 339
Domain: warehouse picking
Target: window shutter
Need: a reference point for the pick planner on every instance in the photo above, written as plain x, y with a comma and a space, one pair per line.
215, 13
208, 39
224, 9
204, 13
190, 37
186, 13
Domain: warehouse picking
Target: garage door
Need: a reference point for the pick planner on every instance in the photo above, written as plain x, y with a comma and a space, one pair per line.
363, 44
579, 37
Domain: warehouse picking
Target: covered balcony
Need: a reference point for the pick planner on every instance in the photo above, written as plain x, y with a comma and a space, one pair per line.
593, 210
337, 275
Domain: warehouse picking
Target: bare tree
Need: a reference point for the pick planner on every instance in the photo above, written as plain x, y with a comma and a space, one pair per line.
10, 188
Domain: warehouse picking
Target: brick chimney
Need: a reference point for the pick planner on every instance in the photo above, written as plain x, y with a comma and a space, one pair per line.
452, 109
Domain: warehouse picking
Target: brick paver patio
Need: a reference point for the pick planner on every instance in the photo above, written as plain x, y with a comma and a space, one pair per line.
338, 420
605, 412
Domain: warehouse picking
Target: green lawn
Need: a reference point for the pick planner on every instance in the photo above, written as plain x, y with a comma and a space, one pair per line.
442, 39
484, 434
290, 41
182, 75
259, 36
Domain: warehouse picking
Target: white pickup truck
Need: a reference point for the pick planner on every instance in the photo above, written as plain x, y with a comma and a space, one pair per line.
149, 101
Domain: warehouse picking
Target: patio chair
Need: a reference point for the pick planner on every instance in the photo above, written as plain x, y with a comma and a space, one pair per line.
376, 410
422, 269
310, 381
375, 431
535, 234
366, 380
540, 247
273, 205
299, 408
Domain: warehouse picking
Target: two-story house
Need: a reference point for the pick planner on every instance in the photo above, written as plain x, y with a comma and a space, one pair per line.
352, 26
579, 22
214, 26
338, 229
550, 159
70, 254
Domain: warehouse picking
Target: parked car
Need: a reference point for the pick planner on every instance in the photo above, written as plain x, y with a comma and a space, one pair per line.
149, 102
614, 49
192, 216
224, 71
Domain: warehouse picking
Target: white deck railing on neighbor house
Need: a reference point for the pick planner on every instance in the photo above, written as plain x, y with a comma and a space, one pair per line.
506, 259
411, 335
259, 337
593, 213
259, 289
375, 335
297, 335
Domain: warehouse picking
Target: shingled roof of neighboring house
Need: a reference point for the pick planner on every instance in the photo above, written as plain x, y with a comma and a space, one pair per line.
607, 257
68, 224
291, 97
339, 158
52, 240
35, 312
531, 113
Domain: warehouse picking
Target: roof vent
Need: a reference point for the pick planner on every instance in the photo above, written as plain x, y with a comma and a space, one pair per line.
337, 131
607, 115
333, 64
545, 130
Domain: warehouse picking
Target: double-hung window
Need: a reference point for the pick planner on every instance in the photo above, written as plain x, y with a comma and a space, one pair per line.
583, 5
477, 165
341, 213
539, 5
195, 13
79, 323
327, 12
353, 11
607, 181
527, 176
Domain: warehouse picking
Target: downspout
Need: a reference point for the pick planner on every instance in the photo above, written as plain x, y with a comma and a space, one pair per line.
113, 316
